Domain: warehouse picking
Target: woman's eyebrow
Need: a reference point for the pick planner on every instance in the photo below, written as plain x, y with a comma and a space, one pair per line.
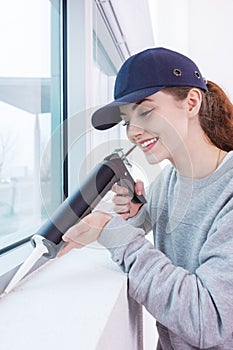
136, 104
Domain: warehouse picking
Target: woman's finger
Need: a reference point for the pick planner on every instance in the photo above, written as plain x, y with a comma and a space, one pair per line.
120, 190
121, 209
67, 247
121, 200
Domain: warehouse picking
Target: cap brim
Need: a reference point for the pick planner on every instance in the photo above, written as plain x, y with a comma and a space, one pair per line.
109, 115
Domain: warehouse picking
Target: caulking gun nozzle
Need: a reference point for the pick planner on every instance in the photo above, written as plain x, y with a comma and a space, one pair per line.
36, 254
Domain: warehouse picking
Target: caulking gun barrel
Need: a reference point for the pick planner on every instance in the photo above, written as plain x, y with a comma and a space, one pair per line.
79, 204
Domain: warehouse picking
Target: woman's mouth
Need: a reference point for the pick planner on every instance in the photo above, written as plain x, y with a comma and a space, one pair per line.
148, 144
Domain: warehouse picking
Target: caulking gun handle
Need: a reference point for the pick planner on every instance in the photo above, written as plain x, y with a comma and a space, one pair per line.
130, 185
138, 198
124, 178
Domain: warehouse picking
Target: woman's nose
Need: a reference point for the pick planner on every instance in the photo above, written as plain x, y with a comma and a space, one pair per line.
134, 132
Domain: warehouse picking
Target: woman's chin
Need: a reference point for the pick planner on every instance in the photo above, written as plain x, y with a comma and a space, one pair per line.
152, 158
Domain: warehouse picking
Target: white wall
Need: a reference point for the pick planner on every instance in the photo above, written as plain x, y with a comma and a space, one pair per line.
201, 29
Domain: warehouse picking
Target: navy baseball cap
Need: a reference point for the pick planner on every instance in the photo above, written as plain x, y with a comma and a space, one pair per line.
144, 74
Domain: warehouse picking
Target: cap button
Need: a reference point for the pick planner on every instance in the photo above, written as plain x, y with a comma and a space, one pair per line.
177, 72
197, 75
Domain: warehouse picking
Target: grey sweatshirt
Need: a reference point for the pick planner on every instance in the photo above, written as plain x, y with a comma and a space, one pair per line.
186, 279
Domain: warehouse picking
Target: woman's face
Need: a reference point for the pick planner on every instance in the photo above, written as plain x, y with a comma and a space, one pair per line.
158, 125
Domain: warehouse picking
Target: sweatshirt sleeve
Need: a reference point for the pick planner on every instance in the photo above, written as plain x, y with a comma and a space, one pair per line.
198, 306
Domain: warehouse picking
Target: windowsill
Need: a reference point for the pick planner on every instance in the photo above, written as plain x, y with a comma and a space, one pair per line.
76, 302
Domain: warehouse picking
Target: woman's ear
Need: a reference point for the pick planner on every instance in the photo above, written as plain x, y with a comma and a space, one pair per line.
194, 100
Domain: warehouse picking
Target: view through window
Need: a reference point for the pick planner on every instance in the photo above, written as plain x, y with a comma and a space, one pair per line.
30, 105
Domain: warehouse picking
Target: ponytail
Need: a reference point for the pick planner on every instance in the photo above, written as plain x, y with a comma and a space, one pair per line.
215, 114
216, 117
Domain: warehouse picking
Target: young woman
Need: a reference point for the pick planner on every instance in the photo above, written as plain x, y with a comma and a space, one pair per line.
186, 279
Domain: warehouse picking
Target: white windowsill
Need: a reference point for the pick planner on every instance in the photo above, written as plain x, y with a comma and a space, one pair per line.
76, 302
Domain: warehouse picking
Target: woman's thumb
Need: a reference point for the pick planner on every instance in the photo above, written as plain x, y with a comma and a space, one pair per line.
139, 187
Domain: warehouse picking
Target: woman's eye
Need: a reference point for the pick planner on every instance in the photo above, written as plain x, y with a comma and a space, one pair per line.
145, 113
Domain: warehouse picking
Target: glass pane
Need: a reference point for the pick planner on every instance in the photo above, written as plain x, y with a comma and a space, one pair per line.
29, 115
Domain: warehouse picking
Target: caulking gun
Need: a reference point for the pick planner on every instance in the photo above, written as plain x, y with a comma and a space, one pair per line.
111, 170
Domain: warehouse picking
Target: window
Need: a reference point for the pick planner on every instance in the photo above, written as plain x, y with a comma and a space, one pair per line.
93, 31
30, 109
31, 144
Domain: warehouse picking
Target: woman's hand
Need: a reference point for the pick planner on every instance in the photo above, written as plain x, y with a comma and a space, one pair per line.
84, 232
123, 204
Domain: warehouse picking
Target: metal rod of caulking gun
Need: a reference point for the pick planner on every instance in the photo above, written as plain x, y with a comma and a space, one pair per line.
130, 150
